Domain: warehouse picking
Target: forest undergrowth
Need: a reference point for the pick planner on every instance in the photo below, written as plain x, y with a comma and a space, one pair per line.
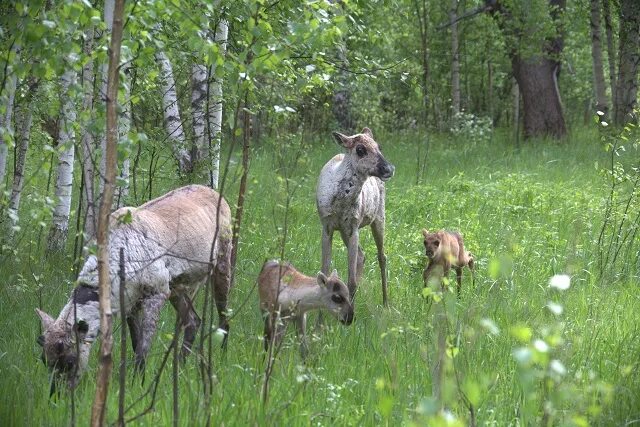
543, 338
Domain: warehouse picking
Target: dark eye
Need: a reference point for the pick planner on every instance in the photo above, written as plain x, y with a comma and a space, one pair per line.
361, 151
436, 243
338, 299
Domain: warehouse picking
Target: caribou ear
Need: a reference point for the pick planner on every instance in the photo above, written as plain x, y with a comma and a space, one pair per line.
425, 233
47, 320
344, 140
322, 279
367, 131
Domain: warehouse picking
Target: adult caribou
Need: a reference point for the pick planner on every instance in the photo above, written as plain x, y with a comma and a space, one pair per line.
171, 245
349, 196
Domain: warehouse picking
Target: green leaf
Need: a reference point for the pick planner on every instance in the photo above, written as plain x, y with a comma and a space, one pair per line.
385, 406
473, 392
522, 333
127, 218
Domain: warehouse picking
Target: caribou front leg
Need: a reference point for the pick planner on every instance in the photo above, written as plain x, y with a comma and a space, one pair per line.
301, 325
377, 228
351, 242
150, 306
327, 242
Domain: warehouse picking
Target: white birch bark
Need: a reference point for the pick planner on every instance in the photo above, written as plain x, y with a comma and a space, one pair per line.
216, 104
6, 129
64, 181
124, 125
198, 104
23, 122
206, 107
171, 113
87, 143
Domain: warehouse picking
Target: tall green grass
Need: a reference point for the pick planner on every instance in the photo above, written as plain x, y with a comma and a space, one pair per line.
526, 213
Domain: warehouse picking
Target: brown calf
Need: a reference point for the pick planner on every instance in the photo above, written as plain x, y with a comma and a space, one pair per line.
286, 294
444, 250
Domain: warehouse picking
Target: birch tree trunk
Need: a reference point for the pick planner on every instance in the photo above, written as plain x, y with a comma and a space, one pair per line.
23, 122
198, 104
64, 181
6, 130
124, 126
106, 362
215, 106
455, 59
596, 55
611, 50
171, 113
627, 80
87, 143
108, 20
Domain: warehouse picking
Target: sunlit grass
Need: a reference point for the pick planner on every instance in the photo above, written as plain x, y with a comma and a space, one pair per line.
526, 213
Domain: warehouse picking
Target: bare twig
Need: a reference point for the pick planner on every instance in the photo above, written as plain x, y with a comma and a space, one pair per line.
104, 371
123, 342
176, 396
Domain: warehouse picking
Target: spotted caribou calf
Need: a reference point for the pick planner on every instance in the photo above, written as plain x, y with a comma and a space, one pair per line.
350, 195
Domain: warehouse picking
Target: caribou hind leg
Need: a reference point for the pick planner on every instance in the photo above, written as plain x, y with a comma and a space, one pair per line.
377, 228
134, 322
189, 320
222, 285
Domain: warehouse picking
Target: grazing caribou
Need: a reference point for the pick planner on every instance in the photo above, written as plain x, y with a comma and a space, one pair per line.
286, 294
171, 245
350, 195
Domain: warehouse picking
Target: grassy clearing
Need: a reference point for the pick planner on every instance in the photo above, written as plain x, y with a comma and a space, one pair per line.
526, 214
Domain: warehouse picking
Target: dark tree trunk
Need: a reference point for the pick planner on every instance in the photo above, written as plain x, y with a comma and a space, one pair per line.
341, 107
596, 56
611, 50
455, 59
537, 80
627, 82
423, 20
537, 75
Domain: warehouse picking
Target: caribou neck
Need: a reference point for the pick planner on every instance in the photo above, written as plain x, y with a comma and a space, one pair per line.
303, 298
350, 182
